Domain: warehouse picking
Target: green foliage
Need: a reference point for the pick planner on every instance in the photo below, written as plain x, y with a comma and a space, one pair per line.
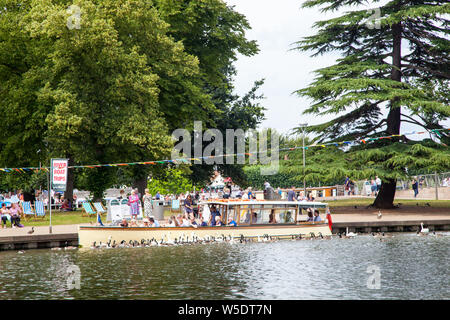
215, 34
27, 182
171, 181
389, 74
365, 81
113, 89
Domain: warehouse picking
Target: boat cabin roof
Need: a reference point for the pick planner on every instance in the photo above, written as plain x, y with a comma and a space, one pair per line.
239, 202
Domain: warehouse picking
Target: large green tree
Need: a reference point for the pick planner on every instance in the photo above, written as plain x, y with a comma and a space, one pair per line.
215, 33
394, 69
90, 92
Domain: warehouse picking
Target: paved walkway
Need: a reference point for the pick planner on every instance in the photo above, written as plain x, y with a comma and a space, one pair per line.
62, 229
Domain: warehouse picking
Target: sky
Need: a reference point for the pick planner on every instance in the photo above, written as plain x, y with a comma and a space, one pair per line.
276, 26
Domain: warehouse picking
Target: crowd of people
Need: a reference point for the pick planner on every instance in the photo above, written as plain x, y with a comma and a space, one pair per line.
192, 214
446, 182
292, 195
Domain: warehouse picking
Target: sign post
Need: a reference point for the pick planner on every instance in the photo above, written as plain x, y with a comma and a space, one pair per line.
58, 178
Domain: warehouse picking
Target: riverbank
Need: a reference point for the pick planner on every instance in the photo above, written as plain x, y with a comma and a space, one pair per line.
340, 215
360, 220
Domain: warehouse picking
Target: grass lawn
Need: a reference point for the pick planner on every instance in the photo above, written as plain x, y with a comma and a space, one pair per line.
59, 218
74, 217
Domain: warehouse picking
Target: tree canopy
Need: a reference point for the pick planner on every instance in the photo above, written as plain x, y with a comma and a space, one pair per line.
107, 81
393, 70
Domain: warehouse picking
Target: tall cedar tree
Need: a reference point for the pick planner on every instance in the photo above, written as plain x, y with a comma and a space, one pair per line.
394, 69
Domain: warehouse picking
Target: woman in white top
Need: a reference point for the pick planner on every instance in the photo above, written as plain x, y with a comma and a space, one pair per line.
148, 203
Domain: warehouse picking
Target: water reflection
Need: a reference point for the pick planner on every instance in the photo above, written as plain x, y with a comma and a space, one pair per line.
411, 268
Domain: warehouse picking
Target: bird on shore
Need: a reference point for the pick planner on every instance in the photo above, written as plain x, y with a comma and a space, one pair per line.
20, 252
428, 205
379, 216
31, 231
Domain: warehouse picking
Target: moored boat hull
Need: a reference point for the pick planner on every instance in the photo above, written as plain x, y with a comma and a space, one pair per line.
88, 235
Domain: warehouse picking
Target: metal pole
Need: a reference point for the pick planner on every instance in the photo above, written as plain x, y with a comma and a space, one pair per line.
304, 164
50, 196
436, 182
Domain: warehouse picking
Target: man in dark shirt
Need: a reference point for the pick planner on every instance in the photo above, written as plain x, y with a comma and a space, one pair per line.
188, 205
214, 213
291, 194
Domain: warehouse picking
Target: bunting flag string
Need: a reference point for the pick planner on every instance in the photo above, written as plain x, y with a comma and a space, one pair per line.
437, 132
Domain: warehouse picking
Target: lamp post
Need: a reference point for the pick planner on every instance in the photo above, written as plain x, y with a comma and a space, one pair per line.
303, 126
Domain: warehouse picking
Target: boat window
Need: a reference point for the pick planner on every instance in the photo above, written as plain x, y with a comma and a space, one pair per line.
206, 213
232, 213
285, 216
260, 216
244, 215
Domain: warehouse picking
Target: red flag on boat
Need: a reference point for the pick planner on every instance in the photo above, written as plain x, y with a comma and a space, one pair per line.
330, 222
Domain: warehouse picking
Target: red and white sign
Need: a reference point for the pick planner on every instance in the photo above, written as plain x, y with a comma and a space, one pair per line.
59, 174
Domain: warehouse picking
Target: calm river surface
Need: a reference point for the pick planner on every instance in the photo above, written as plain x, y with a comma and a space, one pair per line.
411, 267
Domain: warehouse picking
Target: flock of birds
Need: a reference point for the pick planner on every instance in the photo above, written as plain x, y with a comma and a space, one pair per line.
195, 239
208, 239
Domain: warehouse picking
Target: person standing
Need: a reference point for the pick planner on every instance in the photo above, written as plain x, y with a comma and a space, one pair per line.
373, 187
250, 193
133, 202
291, 194
148, 203
415, 187
351, 187
347, 185
214, 213
188, 206
378, 182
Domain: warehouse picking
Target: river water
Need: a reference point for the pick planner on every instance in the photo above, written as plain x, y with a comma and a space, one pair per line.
403, 267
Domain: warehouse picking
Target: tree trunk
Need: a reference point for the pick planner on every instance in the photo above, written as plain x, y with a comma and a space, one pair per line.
386, 195
141, 184
68, 194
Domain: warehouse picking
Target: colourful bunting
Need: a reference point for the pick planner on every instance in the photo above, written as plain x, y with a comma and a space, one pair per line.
47, 169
